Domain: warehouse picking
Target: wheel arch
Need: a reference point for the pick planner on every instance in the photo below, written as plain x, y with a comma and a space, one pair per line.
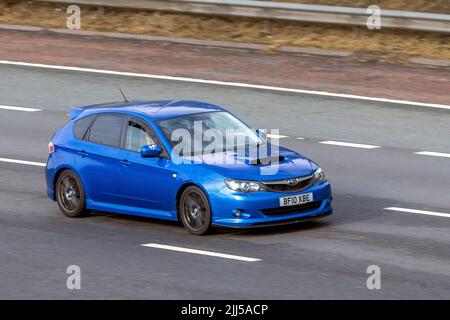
180, 192
58, 173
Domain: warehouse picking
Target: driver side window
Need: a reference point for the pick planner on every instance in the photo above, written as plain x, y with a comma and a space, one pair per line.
137, 136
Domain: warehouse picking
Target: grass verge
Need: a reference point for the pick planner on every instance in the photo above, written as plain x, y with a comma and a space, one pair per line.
385, 45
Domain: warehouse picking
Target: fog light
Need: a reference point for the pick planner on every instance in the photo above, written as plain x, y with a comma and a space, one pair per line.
237, 213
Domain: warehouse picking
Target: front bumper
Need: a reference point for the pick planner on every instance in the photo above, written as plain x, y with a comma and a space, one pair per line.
251, 207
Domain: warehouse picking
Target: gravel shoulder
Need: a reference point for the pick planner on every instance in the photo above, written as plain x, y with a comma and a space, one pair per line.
348, 75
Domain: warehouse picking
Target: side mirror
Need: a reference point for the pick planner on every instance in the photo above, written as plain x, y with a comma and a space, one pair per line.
150, 151
261, 133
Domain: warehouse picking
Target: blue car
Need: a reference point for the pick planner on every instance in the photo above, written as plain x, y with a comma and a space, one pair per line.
139, 158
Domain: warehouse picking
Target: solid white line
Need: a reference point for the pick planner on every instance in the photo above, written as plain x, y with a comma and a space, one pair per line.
428, 213
19, 108
30, 163
231, 84
276, 136
433, 154
206, 253
348, 144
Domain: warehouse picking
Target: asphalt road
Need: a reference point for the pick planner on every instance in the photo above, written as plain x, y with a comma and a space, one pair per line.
319, 260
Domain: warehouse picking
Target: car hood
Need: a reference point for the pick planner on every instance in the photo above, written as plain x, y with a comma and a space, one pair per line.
254, 164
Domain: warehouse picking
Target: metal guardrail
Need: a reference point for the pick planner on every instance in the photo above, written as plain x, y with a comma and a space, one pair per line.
282, 11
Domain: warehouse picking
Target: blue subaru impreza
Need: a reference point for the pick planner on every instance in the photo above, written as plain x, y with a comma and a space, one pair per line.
180, 160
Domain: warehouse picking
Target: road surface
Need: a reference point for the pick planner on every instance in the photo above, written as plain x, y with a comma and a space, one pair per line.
326, 259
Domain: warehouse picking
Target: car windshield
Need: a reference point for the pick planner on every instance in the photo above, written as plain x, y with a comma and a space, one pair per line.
207, 132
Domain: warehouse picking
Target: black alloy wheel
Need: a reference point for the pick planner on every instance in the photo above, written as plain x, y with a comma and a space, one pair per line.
195, 212
70, 195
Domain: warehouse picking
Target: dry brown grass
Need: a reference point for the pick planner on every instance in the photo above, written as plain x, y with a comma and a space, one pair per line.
383, 44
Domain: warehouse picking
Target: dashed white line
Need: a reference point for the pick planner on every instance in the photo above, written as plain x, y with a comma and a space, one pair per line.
29, 163
300, 138
14, 108
201, 252
348, 144
428, 213
276, 136
230, 84
433, 154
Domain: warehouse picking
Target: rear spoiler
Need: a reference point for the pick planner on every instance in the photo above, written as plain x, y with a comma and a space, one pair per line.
75, 112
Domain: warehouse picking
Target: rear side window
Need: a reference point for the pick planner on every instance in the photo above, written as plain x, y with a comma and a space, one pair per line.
80, 127
107, 129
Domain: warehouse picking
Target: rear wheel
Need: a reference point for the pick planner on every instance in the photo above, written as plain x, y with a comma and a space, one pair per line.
195, 212
70, 195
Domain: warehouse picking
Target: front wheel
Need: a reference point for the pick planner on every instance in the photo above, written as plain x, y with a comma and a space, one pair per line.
195, 212
70, 194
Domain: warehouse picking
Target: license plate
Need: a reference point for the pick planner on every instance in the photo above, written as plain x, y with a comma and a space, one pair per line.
296, 200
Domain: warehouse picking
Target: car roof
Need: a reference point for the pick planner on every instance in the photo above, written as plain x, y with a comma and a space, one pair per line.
157, 110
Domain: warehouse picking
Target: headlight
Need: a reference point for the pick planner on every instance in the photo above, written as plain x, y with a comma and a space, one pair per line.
243, 186
319, 175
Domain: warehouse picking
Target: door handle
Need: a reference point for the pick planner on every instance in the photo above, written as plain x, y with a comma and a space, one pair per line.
83, 153
125, 162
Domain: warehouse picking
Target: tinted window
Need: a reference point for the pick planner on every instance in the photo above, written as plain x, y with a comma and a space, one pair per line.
80, 127
226, 126
137, 136
107, 129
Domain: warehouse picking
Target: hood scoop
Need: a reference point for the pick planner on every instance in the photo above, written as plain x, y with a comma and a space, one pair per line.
267, 161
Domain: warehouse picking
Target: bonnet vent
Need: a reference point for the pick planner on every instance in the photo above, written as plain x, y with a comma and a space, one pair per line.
267, 160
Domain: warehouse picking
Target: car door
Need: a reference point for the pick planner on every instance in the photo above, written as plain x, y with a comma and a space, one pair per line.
98, 158
147, 183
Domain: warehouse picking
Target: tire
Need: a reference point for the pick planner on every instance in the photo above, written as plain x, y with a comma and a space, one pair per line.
70, 195
195, 211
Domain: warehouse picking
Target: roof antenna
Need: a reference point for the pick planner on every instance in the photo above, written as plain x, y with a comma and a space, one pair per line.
124, 98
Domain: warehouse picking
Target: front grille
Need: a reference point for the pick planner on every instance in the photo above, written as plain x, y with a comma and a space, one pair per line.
289, 185
282, 187
310, 206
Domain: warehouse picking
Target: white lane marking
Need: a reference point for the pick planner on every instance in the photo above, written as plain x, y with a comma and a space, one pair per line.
428, 213
348, 144
276, 136
300, 138
30, 163
206, 253
14, 108
433, 154
230, 84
